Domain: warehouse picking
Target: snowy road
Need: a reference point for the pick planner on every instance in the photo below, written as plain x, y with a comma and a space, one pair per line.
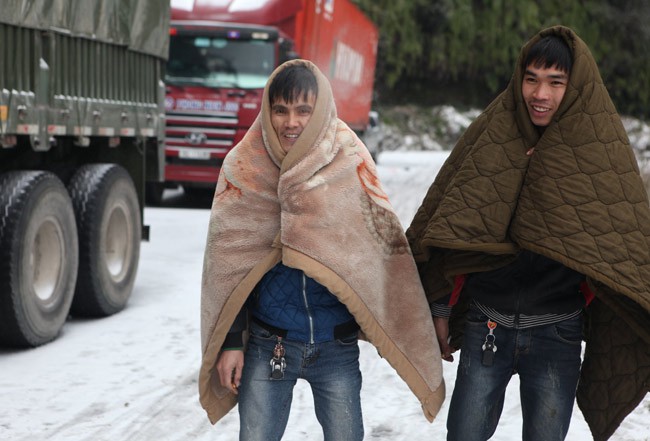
132, 376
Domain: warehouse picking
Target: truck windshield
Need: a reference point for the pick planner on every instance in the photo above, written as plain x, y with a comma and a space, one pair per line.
219, 62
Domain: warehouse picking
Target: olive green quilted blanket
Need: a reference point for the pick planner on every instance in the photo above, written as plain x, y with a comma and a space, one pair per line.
572, 193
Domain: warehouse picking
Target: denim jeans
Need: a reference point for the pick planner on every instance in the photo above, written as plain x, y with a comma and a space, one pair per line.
547, 359
330, 368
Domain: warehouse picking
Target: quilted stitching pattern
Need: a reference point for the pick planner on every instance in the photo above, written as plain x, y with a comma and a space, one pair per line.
279, 302
619, 367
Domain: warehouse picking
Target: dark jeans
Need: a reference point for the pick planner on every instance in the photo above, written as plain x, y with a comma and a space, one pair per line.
547, 359
332, 370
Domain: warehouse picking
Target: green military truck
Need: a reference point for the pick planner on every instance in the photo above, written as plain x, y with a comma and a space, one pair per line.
81, 133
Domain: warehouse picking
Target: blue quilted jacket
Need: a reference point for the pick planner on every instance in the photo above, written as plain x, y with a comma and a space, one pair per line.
287, 299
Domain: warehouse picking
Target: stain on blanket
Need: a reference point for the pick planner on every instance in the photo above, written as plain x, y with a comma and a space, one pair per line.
230, 188
381, 221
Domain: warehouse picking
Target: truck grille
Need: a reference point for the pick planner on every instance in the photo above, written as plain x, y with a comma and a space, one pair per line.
215, 131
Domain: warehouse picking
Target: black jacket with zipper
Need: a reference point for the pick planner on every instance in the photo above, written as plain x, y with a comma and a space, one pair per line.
532, 284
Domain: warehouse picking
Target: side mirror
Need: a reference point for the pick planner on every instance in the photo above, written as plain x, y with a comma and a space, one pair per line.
287, 52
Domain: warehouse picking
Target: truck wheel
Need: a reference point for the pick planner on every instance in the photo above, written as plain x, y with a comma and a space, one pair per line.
38, 257
108, 218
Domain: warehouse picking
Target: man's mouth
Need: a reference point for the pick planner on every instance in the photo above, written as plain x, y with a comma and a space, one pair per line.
540, 109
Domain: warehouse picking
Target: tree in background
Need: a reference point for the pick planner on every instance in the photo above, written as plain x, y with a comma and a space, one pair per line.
463, 51
623, 51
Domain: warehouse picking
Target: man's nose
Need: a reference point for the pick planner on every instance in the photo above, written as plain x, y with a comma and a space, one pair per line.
292, 119
541, 91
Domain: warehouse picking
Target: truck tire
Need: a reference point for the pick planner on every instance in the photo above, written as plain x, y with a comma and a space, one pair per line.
38, 257
108, 218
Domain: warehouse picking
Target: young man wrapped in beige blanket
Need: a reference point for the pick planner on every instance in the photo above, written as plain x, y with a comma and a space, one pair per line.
304, 254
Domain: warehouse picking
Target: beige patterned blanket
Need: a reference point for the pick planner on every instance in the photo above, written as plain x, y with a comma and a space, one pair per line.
319, 208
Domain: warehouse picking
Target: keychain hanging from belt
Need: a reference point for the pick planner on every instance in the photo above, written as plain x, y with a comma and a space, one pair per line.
278, 363
489, 347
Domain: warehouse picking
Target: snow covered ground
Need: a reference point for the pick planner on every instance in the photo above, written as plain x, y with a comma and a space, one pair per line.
132, 376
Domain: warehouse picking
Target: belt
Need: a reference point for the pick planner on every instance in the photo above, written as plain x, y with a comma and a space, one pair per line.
340, 331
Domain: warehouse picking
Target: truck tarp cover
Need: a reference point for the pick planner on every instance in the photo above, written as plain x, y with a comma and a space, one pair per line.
143, 26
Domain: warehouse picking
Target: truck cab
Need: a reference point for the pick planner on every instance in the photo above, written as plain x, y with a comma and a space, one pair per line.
215, 79
221, 54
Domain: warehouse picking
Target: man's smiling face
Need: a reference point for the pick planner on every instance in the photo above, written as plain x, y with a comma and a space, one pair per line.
290, 119
543, 90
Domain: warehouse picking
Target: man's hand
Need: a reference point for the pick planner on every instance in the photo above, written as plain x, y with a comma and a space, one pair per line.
229, 366
441, 324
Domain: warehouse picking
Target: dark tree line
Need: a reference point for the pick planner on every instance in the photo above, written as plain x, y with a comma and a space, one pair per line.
463, 51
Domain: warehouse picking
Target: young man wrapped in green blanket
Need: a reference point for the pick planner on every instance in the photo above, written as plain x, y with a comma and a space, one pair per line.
539, 207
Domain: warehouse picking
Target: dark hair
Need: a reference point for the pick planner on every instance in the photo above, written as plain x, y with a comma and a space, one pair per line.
548, 52
292, 82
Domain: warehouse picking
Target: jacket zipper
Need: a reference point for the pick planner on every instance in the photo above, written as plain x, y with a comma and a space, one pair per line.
519, 292
516, 322
309, 316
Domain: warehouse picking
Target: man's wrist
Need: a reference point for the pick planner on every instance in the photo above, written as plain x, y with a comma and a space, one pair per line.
440, 310
233, 342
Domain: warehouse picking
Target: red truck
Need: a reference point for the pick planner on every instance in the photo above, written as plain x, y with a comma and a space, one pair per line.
221, 55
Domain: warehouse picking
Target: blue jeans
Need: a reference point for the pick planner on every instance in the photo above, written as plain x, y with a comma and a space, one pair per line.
330, 368
547, 359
